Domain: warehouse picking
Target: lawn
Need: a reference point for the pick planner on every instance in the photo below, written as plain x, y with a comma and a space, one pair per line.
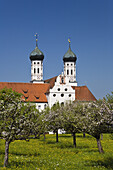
38, 154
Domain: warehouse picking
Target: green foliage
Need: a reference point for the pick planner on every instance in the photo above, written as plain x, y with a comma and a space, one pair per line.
46, 155
71, 117
109, 97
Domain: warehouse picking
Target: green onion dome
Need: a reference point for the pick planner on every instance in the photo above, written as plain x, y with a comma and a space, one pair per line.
69, 55
36, 54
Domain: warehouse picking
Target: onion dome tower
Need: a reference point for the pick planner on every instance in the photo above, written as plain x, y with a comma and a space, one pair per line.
36, 58
70, 65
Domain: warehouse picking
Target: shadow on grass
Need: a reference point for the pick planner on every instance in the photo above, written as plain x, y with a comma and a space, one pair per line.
20, 164
25, 154
107, 163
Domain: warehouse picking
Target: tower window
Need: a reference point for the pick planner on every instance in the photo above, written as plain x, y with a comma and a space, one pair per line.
34, 62
34, 70
65, 89
67, 72
69, 95
67, 64
37, 62
54, 95
58, 89
38, 70
71, 72
71, 64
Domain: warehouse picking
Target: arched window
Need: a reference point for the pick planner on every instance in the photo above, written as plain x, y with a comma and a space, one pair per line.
34, 70
37, 70
67, 72
71, 72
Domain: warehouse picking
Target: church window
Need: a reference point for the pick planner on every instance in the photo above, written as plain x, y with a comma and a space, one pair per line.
71, 64
38, 70
71, 72
34, 62
65, 89
62, 95
34, 70
67, 72
54, 95
37, 62
69, 95
44, 106
62, 80
58, 89
39, 107
67, 64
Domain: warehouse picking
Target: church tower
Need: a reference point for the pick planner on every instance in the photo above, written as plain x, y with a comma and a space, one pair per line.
36, 58
70, 65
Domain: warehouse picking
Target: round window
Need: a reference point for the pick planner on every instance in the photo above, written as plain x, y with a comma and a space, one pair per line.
62, 95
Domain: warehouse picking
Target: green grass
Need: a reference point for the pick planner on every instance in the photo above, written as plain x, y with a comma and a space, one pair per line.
38, 154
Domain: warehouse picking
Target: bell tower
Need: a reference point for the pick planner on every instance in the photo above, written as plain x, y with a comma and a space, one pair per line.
70, 65
36, 58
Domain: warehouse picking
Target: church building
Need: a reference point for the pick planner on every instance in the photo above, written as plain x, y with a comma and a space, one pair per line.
61, 88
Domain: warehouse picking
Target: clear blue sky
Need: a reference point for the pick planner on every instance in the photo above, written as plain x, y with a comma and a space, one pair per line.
89, 24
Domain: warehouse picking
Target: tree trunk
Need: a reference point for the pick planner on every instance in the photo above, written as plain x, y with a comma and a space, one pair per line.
84, 135
101, 136
6, 153
44, 136
57, 136
74, 139
99, 145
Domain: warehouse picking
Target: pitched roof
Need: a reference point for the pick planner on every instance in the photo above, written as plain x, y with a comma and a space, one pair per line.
33, 92
82, 93
51, 81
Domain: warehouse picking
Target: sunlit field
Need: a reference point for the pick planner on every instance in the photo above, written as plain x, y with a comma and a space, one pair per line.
38, 154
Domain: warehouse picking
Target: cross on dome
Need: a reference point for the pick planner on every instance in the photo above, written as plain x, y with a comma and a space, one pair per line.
36, 39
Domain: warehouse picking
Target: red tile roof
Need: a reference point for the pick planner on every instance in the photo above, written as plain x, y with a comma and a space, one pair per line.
33, 92
82, 93
51, 81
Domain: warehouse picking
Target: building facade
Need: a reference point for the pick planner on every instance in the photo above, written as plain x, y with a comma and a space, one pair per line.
61, 88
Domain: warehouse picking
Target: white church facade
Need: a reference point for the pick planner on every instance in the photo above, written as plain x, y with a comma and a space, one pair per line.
60, 88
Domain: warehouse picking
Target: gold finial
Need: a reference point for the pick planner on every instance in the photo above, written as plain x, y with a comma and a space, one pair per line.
69, 42
36, 39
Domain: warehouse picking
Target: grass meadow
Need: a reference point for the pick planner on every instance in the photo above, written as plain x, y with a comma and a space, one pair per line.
38, 154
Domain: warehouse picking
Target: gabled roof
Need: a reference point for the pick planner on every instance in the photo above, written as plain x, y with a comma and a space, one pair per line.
33, 92
51, 81
82, 93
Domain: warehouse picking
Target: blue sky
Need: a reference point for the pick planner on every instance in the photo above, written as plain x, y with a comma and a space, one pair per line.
89, 24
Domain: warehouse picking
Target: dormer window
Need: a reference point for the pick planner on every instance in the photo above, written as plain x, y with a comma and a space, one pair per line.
37, 97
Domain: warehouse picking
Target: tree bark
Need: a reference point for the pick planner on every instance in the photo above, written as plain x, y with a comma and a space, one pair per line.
99, 145
74, 139
57, 136
6, 153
